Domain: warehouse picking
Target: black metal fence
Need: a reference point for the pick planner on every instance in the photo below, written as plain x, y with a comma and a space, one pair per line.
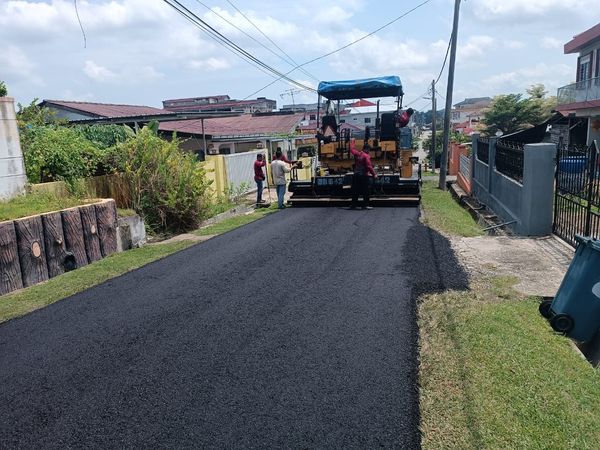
577, 192
509, 159
483, 150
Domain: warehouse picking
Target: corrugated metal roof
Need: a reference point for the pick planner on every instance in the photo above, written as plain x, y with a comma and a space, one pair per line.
105, 109
583, 39
237, 126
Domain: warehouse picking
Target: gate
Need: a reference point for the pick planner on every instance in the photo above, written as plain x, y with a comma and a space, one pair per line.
577, 192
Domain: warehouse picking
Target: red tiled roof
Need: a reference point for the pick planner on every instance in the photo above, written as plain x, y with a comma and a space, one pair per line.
106, 109
582, 39
246, 124
362, 102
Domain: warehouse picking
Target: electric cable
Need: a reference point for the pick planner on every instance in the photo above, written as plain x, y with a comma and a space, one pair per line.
291, 60
288, 61
80, 24
223, 40
347, 45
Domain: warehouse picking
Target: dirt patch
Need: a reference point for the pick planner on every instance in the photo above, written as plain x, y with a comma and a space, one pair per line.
538, 263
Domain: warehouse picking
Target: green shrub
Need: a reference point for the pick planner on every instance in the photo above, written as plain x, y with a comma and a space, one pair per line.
168, 186
54, 153
3, 90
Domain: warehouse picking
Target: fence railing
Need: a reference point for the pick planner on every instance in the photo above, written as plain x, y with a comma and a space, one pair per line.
582, 91
483, 150
465, 166
509, 159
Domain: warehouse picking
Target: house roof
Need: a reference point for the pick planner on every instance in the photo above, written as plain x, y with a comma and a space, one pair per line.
104, 109
582, 39
244, 125
473, 101
362, 102
217, 97
218, 105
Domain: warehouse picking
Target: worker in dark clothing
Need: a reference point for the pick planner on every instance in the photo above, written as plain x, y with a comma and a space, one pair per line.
259, 176
405, 117
363, 171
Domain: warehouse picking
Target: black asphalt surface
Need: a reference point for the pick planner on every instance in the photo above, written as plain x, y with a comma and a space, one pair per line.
296, 331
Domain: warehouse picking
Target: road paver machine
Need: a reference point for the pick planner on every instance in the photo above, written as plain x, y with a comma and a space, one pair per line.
389, 144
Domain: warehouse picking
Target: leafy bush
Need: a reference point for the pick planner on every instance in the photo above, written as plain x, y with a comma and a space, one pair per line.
105, 136
3, 90
54, 153
168, 186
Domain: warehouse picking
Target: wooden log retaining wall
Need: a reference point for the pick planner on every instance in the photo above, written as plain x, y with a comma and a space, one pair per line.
33, 249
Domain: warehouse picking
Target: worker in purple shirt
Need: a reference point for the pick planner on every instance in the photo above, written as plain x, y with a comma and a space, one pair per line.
259, 176
363, 170
405, 117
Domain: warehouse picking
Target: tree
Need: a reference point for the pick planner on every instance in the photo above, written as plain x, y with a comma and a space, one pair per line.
511, 113
3, 90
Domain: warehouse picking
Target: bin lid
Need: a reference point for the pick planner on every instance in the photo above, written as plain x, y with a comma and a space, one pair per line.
594, 243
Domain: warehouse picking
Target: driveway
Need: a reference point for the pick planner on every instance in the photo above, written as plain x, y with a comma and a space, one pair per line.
296, 331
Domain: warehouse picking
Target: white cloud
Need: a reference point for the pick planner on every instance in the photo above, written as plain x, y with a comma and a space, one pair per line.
474, 47
513, 44
520, 79
512, 12
551, 42
210, 64
97, 72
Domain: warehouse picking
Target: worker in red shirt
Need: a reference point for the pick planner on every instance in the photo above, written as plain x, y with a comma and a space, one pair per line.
405, 117
259, 176
363, 170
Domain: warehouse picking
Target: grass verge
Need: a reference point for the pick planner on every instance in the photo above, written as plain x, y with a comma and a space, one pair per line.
494, 375
234, 222
444, 214
36, 203
26, 300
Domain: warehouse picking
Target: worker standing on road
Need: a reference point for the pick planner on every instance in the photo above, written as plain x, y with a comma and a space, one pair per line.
259, 176
278, 170
363, 170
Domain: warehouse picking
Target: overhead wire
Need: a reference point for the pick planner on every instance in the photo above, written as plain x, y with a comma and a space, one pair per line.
223, 40
347, 45
288, 61
80, 24
291, 60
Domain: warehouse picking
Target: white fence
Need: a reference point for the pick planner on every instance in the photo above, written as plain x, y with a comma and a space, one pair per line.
240, 169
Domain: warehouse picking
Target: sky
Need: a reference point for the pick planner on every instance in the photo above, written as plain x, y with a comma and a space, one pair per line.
142, 52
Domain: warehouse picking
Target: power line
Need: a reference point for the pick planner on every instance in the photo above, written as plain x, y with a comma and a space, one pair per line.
347, 45
223, 40
292, 63
445, 59
80, 24
290, 59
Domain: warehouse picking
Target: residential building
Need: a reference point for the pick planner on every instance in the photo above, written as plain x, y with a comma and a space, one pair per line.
580, 101
88, 110
468, 113
219, 103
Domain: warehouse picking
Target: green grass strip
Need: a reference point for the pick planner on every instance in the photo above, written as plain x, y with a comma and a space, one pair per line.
235, 222
26, 300
36, 203
494, 375
444, 214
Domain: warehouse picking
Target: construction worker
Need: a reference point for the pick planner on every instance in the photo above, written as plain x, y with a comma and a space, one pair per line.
405, 117
363, 170
278, 170
259, 176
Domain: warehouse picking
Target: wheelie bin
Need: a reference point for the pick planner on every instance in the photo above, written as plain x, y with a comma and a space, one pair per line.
575, 311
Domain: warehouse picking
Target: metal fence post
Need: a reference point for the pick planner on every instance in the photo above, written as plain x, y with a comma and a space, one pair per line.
474, 143
491, 162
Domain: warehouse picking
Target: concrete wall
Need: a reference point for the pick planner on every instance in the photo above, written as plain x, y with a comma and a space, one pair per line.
529, 204
12, 169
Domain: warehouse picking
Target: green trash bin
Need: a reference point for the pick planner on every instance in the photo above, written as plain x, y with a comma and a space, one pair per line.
575, 311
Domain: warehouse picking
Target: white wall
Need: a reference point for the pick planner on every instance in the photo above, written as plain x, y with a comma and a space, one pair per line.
12, 169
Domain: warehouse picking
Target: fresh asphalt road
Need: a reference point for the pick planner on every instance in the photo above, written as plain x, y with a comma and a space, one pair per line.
295, 331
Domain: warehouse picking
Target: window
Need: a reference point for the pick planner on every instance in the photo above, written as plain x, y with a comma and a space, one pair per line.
313, 117
367, 120
584, 69
342, 120
455, 115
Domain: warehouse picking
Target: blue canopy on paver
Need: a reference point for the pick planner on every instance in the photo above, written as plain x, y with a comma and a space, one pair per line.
389, 86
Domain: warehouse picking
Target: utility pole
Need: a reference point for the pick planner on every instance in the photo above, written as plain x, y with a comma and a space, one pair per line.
449, 89
433, 127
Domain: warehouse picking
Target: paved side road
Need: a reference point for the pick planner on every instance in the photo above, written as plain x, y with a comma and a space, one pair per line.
295, 331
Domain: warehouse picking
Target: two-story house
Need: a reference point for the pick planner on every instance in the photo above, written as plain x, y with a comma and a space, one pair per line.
580, 101
467, 114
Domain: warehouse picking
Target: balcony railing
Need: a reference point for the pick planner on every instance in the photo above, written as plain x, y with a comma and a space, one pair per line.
582, 91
